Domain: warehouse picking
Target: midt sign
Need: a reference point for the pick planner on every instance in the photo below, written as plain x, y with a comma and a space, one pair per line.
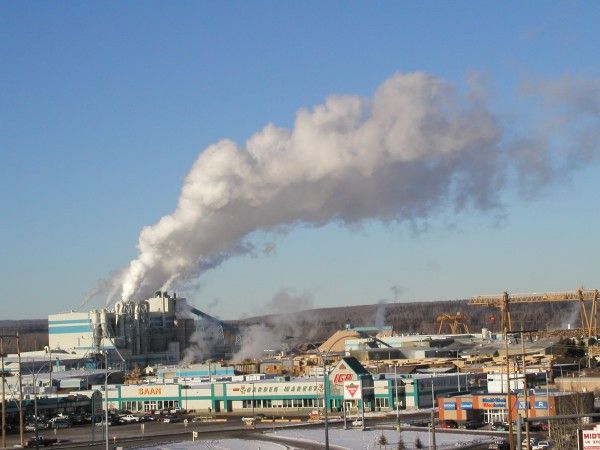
591, 438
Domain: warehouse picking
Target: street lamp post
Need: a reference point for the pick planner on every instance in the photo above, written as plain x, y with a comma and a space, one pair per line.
21, 431
325, 383
457, 371
396, 395
324, 355
21, 424
252, 384
106, 399
3, 407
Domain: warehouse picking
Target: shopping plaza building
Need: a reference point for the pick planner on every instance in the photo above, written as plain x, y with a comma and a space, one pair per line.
281, 395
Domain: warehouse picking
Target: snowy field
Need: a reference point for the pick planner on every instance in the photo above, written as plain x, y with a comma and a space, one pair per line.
338, 439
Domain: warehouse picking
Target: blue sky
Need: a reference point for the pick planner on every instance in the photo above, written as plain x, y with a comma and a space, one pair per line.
105, 106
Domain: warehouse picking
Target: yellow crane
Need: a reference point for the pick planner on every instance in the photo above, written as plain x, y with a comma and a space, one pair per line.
503, 301
455, 322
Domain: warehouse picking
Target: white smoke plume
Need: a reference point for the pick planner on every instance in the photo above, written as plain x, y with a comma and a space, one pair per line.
380, 314
284, 326
417, 145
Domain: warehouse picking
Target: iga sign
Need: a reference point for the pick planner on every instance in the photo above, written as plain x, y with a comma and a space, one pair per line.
341, 374
591, 438
340, 378
352, 390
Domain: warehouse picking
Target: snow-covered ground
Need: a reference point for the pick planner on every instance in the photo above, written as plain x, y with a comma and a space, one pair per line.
338, 438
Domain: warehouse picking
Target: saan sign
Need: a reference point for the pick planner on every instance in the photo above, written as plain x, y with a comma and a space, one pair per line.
591, 438
352, 390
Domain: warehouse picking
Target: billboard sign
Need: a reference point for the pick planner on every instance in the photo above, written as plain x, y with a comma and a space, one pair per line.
466, 405
591, 438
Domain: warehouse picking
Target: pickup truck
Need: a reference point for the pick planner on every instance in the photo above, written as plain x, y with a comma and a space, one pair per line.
129, 418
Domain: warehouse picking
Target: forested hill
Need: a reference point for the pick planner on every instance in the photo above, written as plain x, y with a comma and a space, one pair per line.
420, 317
33, 334
415, 317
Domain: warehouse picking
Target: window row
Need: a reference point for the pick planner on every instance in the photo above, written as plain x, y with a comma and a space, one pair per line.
284, 403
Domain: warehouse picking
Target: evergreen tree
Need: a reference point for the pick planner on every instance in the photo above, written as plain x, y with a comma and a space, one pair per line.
401, 445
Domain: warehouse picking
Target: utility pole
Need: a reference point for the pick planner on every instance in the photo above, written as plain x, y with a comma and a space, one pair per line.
433, 444
3, 406
396, 389
525, 391
106, 398
35, 408
21, 425
511, 441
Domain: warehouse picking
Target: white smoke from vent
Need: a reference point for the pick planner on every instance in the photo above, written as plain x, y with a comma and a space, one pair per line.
395, 156
416, 146
284, 326
380, 314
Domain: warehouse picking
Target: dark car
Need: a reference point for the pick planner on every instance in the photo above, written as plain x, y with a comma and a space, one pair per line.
449, 424
499, 445
538, 426
40, 440
500, 426
470, 424
171, 419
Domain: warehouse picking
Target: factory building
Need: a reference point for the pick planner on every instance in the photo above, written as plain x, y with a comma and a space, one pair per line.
154, 330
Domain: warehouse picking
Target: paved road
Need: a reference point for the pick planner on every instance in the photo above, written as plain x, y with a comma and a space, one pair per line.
132, 435
155, 433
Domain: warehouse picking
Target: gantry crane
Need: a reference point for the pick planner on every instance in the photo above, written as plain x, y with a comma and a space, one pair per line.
503, 302
455, 322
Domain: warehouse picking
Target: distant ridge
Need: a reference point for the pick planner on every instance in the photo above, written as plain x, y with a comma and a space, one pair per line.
319, 323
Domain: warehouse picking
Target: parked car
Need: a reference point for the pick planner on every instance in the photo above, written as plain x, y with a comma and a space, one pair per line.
129, 418
449, 424
499, 445
60, 422
470, 424
357, 423
500, 426
533, 441
41, 425
171, 419
538, 426
40, 440
542, 445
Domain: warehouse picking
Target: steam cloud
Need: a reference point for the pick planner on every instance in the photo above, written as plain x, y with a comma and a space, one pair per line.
272, 331
258, 337
380, 314
417, 145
